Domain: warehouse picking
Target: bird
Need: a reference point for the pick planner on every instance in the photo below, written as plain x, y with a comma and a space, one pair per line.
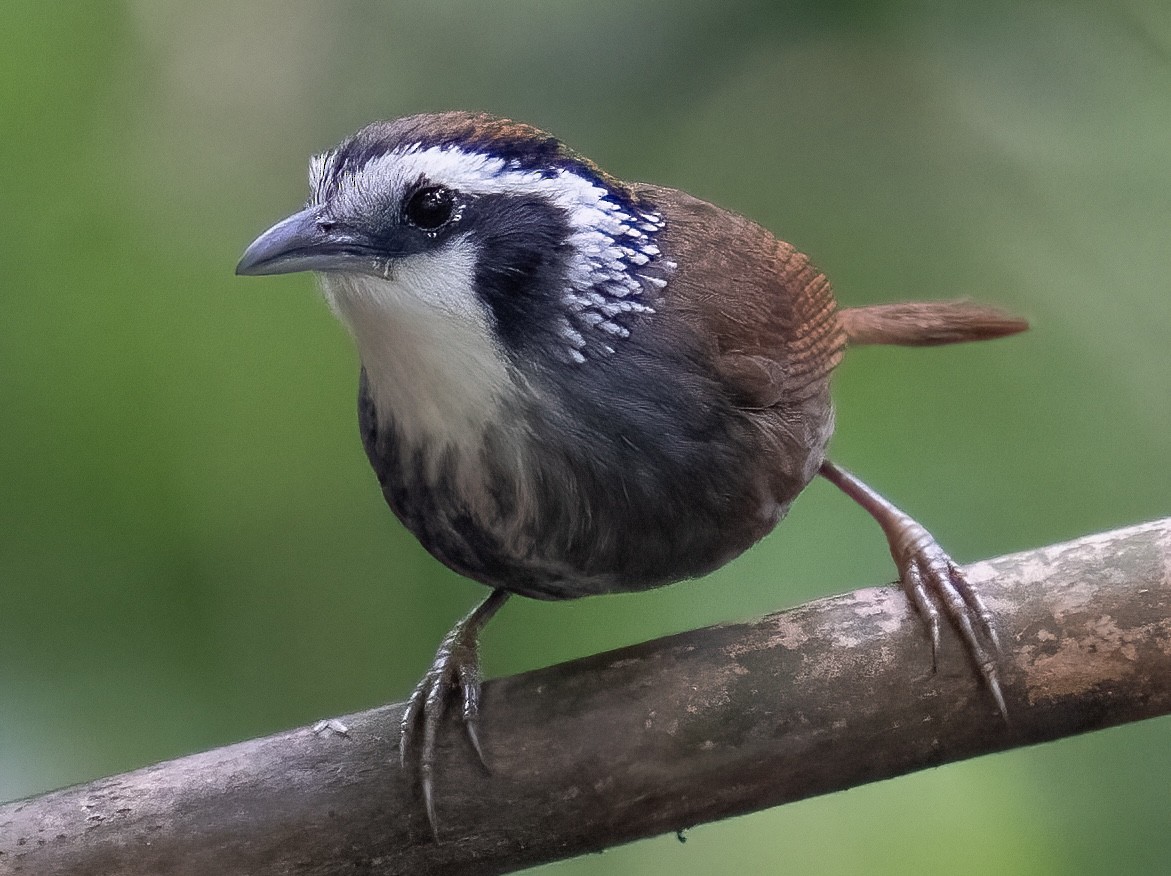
573, 385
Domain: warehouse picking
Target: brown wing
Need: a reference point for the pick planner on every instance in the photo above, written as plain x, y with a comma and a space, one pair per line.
770, 315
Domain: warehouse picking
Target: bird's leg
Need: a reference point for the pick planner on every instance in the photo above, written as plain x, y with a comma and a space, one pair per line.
456, 666
929, 575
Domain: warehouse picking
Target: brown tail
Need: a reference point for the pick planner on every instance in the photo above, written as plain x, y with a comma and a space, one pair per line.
927, 323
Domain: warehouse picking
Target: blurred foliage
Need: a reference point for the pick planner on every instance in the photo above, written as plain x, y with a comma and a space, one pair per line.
192, 550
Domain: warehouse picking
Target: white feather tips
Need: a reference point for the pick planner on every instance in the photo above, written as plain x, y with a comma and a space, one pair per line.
610, 239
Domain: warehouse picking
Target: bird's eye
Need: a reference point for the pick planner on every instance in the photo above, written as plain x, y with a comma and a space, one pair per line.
430, 208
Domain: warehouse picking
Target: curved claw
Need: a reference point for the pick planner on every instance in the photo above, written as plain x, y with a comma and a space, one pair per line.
916, 590
456, 668
928, 568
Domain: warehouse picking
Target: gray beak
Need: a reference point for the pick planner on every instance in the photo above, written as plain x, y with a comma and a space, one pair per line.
300, 243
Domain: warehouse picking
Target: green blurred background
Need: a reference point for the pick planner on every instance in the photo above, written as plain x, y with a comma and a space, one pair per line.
192, 549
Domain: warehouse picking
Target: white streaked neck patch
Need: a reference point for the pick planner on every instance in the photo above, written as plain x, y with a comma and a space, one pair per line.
616, 270
426, 342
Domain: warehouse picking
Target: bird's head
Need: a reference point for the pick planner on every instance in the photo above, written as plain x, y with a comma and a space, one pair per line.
462, 248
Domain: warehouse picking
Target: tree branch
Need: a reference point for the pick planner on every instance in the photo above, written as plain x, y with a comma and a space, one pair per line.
648, 739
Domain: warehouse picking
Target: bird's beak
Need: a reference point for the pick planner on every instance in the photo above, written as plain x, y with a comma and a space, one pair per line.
300, 243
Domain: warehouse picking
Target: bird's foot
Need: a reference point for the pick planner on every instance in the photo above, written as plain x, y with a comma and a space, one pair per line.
456, 671
930, 577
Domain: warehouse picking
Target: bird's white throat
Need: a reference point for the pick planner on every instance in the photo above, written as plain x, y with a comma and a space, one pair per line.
425, 339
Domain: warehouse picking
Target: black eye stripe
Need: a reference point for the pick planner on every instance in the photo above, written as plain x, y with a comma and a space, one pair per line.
430, 207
